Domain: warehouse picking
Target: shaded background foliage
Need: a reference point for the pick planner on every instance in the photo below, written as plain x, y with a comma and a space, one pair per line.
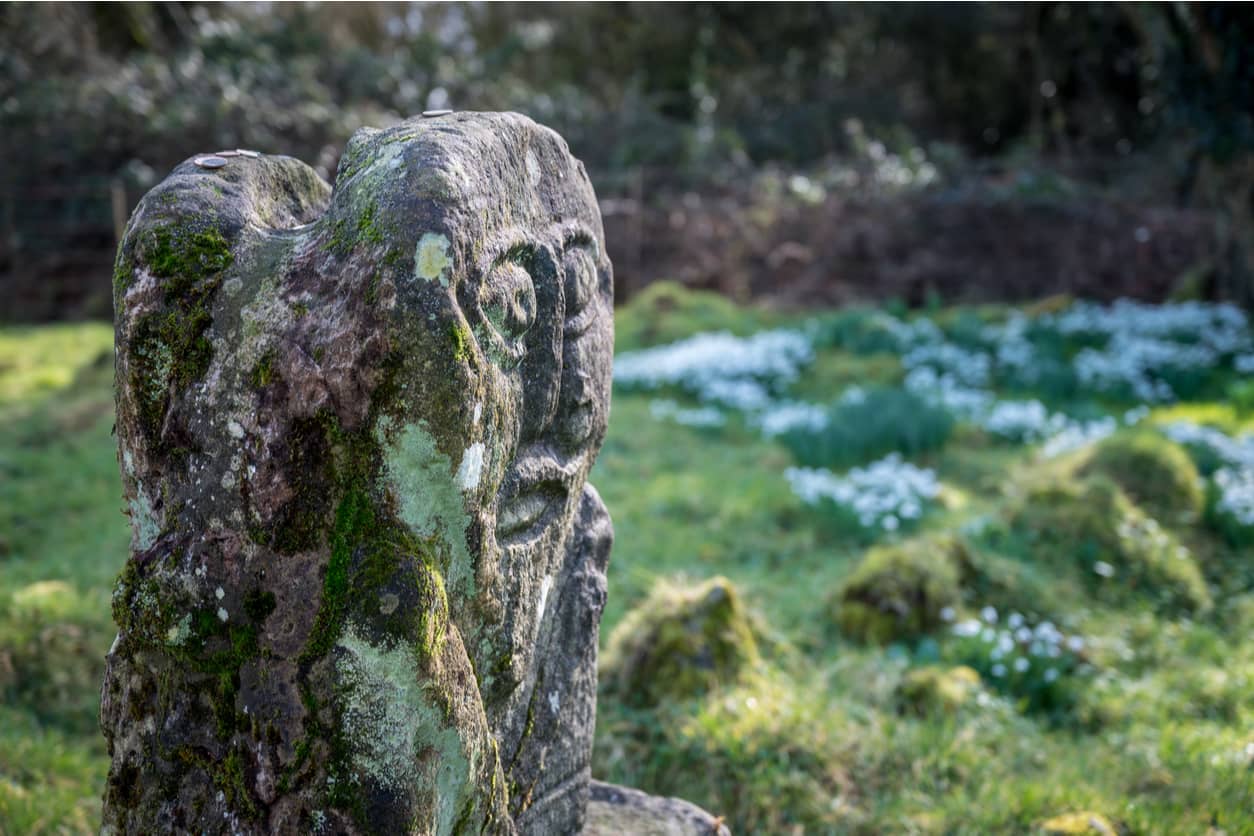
742, 147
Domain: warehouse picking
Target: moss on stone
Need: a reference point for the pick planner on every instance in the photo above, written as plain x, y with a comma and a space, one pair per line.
182, 256
897, 592
680, 643
1154, 471
170, 347
1123, 554
263, 371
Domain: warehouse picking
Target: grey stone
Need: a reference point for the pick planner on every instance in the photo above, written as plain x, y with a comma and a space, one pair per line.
355, 428
614, 810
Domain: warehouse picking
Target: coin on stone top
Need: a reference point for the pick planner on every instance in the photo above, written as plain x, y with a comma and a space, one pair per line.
212, 161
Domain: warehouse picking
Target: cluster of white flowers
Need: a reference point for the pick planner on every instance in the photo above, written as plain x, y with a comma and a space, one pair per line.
1222, 328
1023, 421
964, 367
1236, 494
883, 494
704, 416
785, 417
1077, 434
718, 368
946, 390
1018, 646
1142, 340
1237, 453
1235, 480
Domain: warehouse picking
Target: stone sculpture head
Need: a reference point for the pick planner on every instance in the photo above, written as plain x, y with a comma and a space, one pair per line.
356, 427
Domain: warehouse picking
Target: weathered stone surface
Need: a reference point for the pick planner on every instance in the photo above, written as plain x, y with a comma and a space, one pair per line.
614, 810
355, 428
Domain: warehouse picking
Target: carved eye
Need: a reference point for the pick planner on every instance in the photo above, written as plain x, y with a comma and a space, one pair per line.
581, 287
508, 302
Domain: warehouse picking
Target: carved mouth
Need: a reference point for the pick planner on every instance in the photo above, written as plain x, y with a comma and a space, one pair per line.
534, 495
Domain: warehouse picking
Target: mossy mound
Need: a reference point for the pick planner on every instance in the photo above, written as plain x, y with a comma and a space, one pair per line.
897, 592
1154, 471
1123, 553
934, 690
52, 654
679, 643
666, 311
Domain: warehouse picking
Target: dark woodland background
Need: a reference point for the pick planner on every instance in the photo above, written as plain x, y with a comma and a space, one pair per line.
798, 153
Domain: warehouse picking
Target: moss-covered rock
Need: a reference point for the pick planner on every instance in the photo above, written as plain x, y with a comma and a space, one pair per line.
898, 592
934, 690
679, 643
1154, 471
1123, 554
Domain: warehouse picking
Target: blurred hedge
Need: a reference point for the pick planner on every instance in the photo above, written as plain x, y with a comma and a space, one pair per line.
99, 100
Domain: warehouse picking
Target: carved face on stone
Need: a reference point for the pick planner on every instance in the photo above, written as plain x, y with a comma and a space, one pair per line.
510, 268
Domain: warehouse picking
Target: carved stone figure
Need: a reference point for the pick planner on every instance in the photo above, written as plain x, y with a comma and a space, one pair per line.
355, 429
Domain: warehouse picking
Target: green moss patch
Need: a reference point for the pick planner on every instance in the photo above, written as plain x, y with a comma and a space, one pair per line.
935, 690
680, 643
1155, 472
898, 592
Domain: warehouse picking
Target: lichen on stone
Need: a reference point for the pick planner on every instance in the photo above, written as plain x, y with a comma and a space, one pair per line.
432, 259
397, 732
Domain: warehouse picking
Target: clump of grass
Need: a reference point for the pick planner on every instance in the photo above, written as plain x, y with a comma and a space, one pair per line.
870, 425
679, 643
1123, 553
899, 592
1155, 472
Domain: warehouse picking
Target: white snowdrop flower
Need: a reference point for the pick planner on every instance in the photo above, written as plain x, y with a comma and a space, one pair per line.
1051, 674
999, 670
1037, 648
1104, 569
947, 614
1075, 644
1014, 621
996, 653
890, 523
988, 635
989, 615
968, 628
1005, 643
1022, 664
1023, 635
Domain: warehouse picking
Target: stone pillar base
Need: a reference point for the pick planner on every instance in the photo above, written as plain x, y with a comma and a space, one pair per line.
615, 811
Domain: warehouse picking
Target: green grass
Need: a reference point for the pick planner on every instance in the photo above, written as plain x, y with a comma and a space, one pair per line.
1155, 736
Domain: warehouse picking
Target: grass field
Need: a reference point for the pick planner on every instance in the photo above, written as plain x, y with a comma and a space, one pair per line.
1038, 617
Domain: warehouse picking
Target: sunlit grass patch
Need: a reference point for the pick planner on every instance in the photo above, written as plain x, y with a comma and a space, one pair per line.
36, 362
